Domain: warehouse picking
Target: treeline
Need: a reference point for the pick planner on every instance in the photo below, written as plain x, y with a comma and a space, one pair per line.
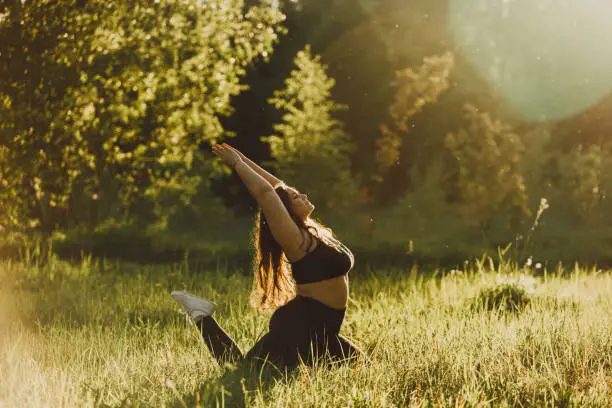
108, 109
106, 104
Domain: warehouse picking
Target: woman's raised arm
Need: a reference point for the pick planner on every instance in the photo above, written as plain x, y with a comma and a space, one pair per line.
262, 172
284, 230
255, 183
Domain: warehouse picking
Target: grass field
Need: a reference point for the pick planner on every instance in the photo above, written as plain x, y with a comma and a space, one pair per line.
108, 334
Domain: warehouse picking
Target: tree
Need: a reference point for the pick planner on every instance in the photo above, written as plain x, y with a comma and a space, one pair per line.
488, 154
577, 184
414, 90
310, 147
581, 177
104, 104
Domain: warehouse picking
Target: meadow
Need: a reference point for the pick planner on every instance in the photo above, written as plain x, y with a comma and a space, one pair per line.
105, 333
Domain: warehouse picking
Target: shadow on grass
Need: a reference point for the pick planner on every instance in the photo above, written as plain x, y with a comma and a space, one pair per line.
249, 381
238, 385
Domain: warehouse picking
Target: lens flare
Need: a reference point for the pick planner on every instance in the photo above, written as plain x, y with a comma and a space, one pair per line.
548, 60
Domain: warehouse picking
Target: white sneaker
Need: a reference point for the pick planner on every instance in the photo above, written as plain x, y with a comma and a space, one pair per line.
195, 307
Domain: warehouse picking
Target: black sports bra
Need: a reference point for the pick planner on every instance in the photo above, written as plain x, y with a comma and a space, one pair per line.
324, 262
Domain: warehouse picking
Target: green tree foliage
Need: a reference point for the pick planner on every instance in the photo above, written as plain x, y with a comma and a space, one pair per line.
104, 104
310, 147
413, 91
577, 183
423, 220
582, 177
488, 155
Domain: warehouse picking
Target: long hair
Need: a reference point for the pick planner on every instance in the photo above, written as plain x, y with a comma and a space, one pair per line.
274, 286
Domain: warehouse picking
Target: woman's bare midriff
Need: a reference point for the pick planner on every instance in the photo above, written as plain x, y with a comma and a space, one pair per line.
331, 292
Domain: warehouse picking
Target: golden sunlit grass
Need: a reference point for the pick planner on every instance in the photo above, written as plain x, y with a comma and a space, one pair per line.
108, 334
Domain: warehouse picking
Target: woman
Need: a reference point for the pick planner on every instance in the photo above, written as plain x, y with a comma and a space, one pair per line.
308, 313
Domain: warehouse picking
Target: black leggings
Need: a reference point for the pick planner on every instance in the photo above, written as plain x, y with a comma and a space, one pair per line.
303, 329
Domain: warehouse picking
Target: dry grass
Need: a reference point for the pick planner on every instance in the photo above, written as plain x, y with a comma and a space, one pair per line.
108, 334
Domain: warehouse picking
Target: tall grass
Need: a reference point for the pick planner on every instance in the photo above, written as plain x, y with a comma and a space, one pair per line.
108, 334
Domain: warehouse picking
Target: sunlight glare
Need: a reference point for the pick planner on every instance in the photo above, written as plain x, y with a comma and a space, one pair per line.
547, 59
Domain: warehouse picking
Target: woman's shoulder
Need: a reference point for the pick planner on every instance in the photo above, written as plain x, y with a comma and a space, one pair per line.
310, 242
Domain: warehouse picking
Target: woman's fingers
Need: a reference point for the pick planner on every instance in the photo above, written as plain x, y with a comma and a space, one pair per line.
224, 146
228, 148
217, 150
233, 149
225, 154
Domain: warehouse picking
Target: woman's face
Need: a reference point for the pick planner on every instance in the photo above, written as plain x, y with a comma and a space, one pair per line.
300, 206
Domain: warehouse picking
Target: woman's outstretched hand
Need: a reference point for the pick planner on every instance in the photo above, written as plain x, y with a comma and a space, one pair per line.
229, 156
242, 156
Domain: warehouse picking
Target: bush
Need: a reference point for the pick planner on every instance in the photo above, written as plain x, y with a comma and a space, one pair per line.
505, 297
